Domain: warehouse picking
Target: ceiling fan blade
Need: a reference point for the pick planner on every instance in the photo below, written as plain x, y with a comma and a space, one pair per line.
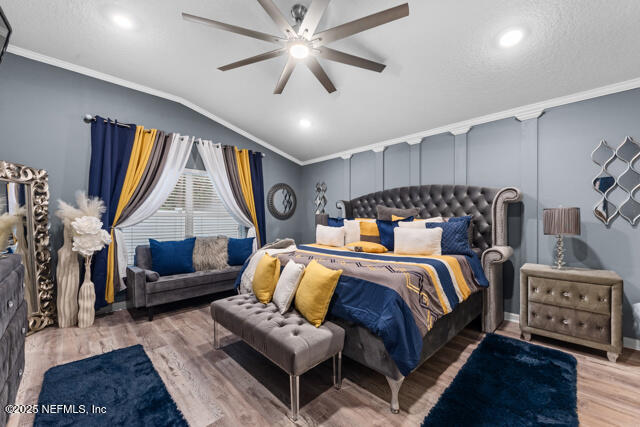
345, 58
312, 18
362, 24
253, 59
232, 28
284, 77
275, 14
318, 71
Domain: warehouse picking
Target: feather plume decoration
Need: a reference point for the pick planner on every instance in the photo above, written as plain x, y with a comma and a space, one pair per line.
86, 207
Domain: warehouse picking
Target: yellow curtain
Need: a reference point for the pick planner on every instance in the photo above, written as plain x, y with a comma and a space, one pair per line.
142, 146
244, 170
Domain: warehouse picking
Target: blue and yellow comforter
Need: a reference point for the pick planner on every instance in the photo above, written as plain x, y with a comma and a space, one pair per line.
396, 297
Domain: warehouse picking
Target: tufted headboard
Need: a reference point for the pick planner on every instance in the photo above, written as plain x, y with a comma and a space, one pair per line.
443, 200
488, 206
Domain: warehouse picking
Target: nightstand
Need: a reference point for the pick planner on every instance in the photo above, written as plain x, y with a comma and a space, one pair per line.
576, 305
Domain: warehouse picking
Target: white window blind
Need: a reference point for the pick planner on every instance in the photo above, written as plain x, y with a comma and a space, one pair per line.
192, 209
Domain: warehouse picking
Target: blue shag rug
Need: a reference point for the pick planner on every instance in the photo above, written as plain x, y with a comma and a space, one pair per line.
119, 388
507, 382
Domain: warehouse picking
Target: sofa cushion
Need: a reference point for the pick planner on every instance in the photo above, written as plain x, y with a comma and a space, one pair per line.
172, 257
238, 250
287, 339
178, 281
210, 253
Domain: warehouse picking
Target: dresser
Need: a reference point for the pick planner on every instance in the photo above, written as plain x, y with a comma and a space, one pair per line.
13, 330
577, 305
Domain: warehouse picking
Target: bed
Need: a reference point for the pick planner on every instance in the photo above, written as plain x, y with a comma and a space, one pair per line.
488, 208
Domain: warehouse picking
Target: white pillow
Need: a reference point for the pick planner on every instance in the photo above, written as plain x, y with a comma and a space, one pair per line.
287, 285
329, 236
351, 231
411, 241
419, 223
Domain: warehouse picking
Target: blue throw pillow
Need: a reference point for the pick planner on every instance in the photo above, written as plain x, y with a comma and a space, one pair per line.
239, 250
455, 238
173, 257
466, 218
335, 222
386, 231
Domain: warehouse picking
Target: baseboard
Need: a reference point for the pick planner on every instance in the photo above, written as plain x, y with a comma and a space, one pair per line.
627, 342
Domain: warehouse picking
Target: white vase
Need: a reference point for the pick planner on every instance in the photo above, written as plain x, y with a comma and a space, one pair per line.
68, 278
86, 298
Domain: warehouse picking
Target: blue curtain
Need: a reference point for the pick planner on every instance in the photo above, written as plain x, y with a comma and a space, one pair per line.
255, 164
111, 146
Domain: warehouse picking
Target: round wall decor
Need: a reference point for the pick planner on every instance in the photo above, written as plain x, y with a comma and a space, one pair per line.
281, 201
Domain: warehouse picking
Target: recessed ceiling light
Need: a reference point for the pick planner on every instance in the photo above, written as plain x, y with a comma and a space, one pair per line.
511, 38
304, 123
299, 50
122, 21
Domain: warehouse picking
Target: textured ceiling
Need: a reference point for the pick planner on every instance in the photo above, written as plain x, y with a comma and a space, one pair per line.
443, 61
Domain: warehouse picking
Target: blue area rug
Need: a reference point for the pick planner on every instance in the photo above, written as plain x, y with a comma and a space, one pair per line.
508, 382
119, 388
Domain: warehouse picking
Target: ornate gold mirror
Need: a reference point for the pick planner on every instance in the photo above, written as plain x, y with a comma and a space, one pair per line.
24, 192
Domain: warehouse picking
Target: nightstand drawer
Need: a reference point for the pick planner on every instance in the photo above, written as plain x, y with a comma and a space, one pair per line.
576, 323
575, 295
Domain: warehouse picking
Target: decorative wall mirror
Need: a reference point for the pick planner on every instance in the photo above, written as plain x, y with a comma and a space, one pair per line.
281, 201
28, 188
628, 155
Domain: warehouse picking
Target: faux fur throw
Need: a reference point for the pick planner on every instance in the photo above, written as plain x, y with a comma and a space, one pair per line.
210, 253
277, 247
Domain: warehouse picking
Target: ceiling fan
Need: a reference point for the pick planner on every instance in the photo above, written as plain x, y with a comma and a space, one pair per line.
301, 41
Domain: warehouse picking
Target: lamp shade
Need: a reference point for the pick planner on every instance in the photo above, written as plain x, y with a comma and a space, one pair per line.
561, 221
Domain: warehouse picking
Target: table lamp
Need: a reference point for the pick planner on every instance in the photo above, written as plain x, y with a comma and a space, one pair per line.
561, 222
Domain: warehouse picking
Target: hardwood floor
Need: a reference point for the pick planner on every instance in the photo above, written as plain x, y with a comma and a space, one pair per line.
236, 386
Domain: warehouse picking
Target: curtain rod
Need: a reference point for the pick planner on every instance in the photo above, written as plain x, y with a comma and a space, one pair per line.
88, 118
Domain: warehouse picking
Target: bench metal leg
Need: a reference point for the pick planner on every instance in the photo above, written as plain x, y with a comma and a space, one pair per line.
216, 335
294, 387
337, 370
395, 389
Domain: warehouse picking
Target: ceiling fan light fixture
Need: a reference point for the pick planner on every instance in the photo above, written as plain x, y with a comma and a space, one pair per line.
299, 50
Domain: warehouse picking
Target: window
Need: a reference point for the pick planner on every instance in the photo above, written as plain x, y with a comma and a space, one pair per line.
192, 209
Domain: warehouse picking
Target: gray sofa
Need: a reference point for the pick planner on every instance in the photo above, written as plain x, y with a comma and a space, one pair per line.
145, 292
13, 330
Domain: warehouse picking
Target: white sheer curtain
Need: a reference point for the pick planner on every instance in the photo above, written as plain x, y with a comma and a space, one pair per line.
214, 163
177, 157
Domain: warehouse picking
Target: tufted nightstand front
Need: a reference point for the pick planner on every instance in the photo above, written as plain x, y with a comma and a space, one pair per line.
577, 305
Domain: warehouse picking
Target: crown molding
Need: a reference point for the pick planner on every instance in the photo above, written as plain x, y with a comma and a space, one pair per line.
379, 149
460, 130
521, 113
414, 141
346, 156
527, 115
148, 90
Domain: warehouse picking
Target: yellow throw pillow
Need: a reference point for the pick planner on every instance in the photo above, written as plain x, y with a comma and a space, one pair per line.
266, 278
370, 247
397, 218
369, 232
315, 291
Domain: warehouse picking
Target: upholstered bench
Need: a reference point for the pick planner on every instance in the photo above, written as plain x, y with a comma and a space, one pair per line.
288, 340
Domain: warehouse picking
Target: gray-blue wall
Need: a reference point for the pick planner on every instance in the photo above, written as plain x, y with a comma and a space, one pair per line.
548, 158
41, 110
